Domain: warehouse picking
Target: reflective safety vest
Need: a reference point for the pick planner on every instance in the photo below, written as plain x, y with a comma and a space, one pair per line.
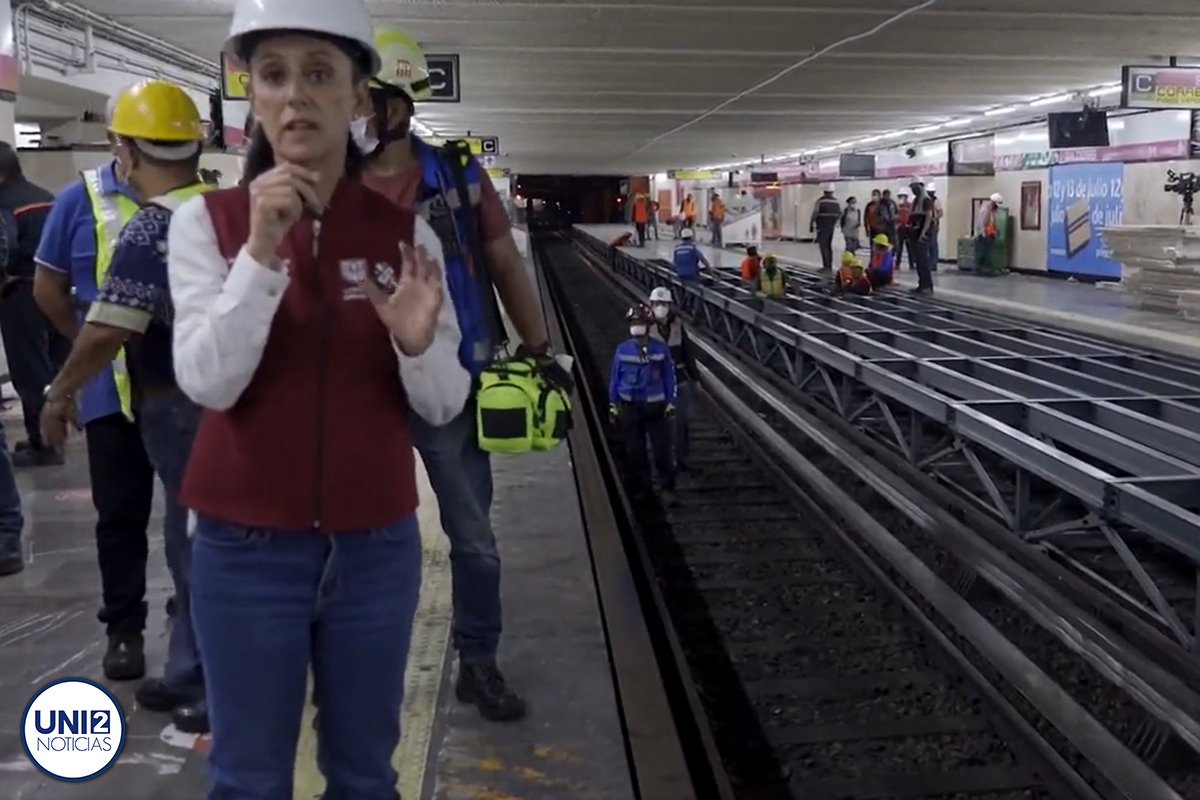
771, 285
112, 212
455, 220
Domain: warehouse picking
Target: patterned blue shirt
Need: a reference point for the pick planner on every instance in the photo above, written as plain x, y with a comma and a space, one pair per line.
136, 295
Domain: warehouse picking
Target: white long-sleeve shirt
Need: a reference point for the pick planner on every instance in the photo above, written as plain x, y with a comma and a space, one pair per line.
224, 312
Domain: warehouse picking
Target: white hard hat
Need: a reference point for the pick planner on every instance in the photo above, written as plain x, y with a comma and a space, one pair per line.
661, 294
930, 187
997, 198
916, 180
687, 233
347, 19
827, 187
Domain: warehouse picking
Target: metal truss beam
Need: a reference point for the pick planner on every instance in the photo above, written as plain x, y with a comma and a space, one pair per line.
1080, 446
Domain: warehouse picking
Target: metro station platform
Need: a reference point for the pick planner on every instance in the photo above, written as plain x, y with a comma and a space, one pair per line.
554, 653
1098, 310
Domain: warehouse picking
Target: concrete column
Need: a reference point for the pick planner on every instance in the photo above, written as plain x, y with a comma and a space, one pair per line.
9, 75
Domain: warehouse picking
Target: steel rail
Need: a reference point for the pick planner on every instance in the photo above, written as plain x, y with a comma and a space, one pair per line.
671, 750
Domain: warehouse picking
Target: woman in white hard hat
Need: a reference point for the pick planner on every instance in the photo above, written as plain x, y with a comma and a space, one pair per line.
668, 328
298, 300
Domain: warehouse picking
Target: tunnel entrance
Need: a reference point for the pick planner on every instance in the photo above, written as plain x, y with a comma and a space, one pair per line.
572, 199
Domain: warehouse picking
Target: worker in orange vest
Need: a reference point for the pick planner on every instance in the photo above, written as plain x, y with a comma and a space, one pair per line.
985, 240
716, 219
641, 213
687, 210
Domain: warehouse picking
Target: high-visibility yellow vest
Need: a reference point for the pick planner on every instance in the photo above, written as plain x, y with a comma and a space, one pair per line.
771, 285
112, 212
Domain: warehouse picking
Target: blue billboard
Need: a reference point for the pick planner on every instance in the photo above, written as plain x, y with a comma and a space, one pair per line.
1084, 198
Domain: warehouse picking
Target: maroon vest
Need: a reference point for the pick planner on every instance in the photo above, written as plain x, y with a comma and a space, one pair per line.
319, 439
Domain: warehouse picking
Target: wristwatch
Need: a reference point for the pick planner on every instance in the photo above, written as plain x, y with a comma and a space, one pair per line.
49, 399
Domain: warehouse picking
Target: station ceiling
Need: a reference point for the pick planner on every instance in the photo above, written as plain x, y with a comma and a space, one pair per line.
622, 86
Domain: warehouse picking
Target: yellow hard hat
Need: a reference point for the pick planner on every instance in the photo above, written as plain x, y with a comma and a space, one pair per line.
881, 238
848, 259
159, 111
403, 63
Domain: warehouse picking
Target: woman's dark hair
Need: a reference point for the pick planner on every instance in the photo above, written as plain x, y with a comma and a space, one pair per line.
260, 156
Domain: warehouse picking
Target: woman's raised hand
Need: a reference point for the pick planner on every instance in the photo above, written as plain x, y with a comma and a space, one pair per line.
277, 201
410, 310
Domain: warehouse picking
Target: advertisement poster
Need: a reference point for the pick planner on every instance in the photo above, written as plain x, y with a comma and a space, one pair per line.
743, 228
771, 200
1084, 199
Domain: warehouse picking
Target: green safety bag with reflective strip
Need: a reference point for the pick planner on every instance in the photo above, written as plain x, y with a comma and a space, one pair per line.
519, 411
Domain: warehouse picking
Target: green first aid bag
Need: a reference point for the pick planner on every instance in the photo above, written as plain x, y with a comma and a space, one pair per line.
518, 411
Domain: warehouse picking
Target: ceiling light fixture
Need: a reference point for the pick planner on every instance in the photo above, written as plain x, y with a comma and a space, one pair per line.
1050, 101
958, 123
1105, 91
995, 112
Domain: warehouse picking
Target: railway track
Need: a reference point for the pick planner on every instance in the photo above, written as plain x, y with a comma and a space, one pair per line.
822, 675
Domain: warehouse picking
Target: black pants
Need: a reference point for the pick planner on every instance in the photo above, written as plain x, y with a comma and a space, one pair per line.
919, 248
825, 243
35, 351
904, 243
641, 232
122, 491
642, 422
983, 252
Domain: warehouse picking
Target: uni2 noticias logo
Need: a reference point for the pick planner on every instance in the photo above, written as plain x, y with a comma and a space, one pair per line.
73, 730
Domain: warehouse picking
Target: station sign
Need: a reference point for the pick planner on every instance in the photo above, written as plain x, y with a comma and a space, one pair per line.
1160, 87
499, 172
445, 79
234, 77
692, 175
480, 145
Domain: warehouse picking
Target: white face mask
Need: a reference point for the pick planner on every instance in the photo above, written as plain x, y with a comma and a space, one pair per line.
362, 137
637, 330
661, 312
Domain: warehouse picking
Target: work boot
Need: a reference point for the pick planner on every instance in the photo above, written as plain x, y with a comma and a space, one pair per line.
11, 560
125, 659
483, 686
155, 694
192, 717
37, 457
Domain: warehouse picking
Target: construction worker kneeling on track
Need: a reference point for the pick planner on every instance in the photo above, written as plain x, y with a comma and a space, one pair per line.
641, 395
881, 269
668, 328
851, 277
771, 282
687, 257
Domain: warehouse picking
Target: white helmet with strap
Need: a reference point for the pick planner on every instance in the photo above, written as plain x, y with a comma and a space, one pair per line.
661, 294
346, 20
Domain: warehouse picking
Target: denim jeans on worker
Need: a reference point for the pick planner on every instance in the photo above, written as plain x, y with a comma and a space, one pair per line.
461, 476
12, 521
168, 423
267, 605
683, 407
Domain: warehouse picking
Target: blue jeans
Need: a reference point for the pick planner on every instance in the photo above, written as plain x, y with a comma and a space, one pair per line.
461, 476
168, 423
12, 521
683, 408
268, 604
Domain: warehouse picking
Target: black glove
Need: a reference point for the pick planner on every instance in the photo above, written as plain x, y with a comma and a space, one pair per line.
549, 368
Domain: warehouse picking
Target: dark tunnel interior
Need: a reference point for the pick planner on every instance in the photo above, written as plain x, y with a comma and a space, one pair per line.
572, 199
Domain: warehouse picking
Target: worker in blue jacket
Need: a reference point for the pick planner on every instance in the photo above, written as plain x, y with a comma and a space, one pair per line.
688, 258
641, 396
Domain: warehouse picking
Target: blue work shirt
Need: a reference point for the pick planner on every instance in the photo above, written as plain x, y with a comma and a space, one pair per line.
687, 259
69, 245
136, 296
642, 373
884, 265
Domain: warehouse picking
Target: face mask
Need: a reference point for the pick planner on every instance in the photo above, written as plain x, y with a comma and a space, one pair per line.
661, 312
637, 330
362, 137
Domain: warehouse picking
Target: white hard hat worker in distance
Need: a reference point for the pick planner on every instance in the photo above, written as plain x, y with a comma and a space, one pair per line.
306, 549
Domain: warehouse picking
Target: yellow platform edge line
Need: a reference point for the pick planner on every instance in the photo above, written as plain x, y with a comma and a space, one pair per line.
422, 676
